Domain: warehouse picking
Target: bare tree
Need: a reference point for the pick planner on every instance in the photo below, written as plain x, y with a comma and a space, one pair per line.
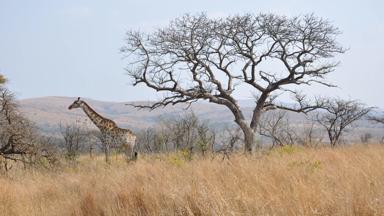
49, 153
74, 140
338, 115
229, 139
378, 119
15, 129
19, 140
276, 127
190, 133
186, 132
197, 57
310, 134
147, 140
366, 137
205, 138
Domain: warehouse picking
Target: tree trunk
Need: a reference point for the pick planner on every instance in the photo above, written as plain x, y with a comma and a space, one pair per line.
249, 139
250, 133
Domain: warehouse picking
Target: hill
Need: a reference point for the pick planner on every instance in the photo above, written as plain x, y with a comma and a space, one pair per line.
48, 112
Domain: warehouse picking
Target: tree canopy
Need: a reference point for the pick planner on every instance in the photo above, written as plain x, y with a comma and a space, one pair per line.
198, 57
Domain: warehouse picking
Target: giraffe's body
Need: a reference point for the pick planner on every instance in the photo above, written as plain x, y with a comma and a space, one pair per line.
111, 135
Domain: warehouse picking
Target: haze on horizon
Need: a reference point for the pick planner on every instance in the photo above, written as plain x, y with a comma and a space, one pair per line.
71, 48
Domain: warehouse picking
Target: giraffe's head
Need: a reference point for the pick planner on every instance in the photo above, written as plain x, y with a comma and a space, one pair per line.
76, 104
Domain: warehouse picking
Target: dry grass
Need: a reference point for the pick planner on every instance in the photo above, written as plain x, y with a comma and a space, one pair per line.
288, 181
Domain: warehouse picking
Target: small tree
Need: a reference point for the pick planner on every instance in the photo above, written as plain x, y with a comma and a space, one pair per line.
378, 119
186, 132
310, 135
19, 140
338, 116
74, 140
147, 140
229, 137
366, 137
205, 138
276, 127
49, 152
201, 58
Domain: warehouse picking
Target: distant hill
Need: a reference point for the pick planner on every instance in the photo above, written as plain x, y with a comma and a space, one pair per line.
48, 112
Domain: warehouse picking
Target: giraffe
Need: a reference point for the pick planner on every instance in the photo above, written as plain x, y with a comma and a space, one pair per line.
111, 134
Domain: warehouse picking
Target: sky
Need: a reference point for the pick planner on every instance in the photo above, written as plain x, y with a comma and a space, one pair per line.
71, 47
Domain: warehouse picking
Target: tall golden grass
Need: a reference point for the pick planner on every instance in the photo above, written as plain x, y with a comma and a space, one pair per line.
285, 181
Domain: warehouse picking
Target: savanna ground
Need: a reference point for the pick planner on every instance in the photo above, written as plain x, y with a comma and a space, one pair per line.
347, 180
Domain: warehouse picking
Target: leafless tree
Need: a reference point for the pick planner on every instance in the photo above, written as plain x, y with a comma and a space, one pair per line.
190, 133
338, 115
378, 119
147, 140
197, 57
78, 138
186, 132
15, 129
310, 134
366, 137
205, 138
19, 140
74, 140
229, 138
276, 127
48, 151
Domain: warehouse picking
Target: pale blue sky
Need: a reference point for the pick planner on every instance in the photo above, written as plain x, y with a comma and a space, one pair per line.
71, 47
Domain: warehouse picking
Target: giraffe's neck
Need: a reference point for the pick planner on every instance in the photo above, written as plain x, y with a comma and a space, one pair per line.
96, 118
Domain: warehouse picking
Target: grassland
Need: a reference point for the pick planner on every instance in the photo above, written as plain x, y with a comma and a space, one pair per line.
286, 181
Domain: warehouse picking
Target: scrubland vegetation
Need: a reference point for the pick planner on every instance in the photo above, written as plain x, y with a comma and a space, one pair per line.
284, 181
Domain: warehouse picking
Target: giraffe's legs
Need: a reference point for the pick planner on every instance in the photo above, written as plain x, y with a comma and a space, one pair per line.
107, 153
129, 152
106, 145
